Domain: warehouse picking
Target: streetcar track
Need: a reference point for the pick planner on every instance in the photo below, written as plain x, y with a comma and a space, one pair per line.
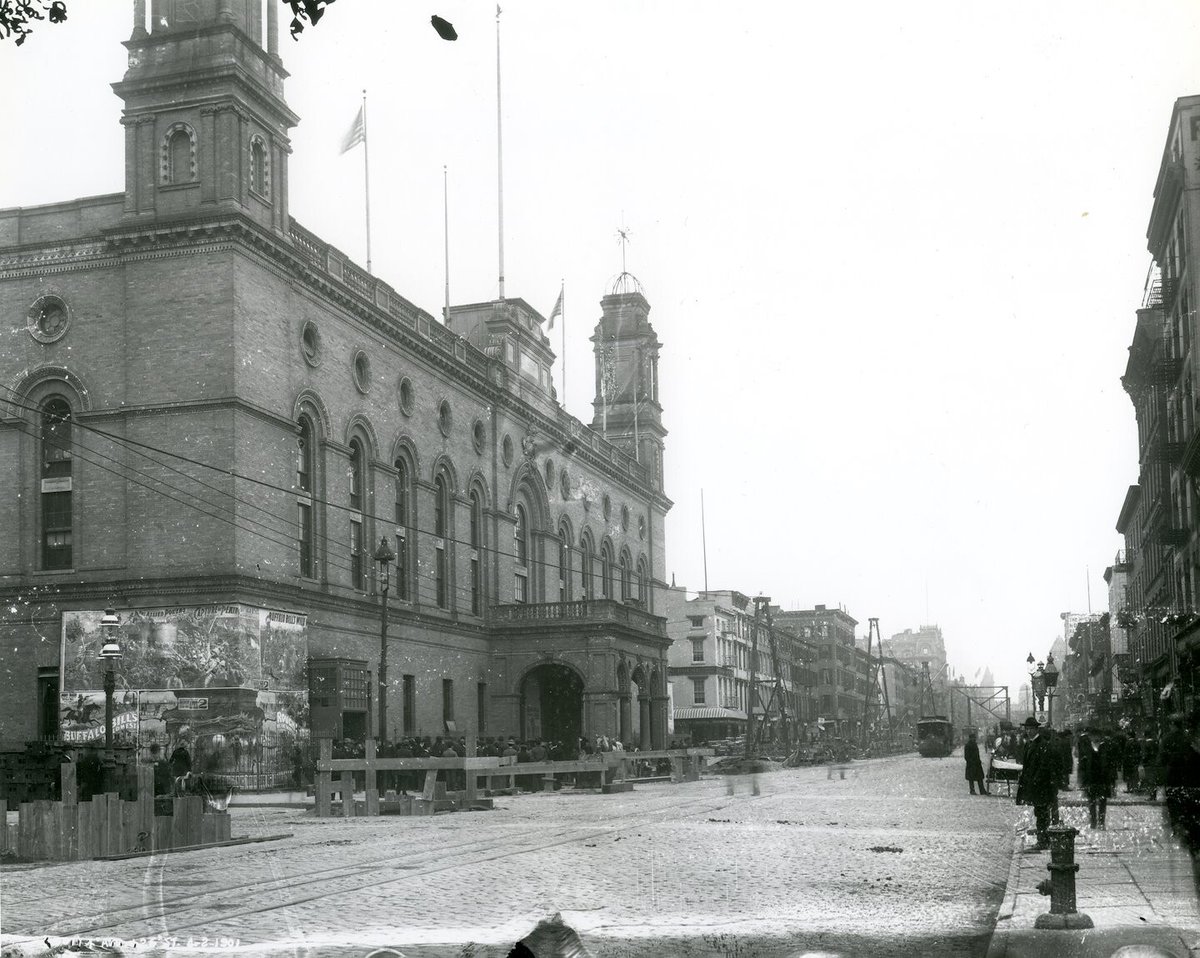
351, 874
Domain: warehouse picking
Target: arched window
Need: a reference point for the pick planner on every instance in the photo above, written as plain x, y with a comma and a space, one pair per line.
56, 484
643, 584
441, 531
626, 585
403, 524
305, 467
180, 168
521, 555
564, 563
357, 540
606, 571
586, 585
258, 166
476, 553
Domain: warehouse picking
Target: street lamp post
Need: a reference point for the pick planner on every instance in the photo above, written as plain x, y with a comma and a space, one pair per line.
111, 651
383, 555
1050, 676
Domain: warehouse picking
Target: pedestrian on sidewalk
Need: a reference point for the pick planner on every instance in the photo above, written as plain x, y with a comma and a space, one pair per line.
1097, 774
974, 773
1183, 799
1065, 756
1040, 774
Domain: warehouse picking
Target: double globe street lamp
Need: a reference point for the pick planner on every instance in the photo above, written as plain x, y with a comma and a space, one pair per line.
1042, 682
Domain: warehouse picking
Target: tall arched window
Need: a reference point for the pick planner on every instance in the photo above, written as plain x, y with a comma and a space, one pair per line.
357, 542
626, 585
521, 555
476, 553
258, 166
441, 531
606, 571
56, 484
564, 563
586, 584
305, 468
643, 584
179, 157
403, 524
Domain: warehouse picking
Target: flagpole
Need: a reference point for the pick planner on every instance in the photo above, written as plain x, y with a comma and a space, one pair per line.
367, 179
499, 157
562, 288
446, 231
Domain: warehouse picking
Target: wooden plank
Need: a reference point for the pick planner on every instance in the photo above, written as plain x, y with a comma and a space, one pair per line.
414, 764
208, 829
130, 813
430, 790
86, 831
3, 825
163, 828
24, 820
70, 832
347, 794
69, 785
372, 801
114, 822
178, 825
324, 783
54, 829
41, 829
145, 806
226, 827
99, 825
369, 763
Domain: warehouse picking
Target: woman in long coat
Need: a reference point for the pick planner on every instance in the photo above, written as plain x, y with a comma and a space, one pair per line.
974, 774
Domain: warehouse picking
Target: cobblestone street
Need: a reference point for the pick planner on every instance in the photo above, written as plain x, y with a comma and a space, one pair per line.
895, 860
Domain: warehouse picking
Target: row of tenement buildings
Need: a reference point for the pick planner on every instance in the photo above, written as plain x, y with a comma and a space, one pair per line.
1139, 660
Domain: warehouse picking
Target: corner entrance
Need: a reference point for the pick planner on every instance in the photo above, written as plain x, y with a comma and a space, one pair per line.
552, 705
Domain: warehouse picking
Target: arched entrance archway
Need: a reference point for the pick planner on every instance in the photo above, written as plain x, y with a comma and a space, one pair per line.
552, 704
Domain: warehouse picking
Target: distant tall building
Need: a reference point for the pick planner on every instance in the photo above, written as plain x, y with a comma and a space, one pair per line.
842, 669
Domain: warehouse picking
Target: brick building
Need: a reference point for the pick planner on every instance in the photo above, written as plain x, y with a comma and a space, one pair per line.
841, 669
212, 417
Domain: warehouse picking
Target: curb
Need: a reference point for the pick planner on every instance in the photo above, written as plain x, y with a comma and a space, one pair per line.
998, 944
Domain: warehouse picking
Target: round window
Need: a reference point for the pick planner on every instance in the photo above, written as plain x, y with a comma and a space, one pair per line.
507, 450
445, 419
549, 473
624, 518
310, 344
48, 318
479, 435
564, 484
404, 394
362, 371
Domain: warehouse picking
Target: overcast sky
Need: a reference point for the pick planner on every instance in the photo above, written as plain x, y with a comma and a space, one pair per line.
893, 252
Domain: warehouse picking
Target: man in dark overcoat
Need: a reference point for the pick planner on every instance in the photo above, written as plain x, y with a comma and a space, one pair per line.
974, 773
1041, 771
1097, 774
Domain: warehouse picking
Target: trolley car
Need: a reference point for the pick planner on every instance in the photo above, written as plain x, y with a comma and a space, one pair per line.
935, 736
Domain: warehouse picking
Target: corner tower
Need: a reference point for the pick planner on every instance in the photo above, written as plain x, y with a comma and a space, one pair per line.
627, 410
206, 125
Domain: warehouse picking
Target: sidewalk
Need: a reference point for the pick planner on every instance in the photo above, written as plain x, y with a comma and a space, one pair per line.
1134, 882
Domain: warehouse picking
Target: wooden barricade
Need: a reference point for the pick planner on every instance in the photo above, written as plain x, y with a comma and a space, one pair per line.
71, 830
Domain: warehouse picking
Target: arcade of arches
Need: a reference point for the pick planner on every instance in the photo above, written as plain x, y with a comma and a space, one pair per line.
566, 696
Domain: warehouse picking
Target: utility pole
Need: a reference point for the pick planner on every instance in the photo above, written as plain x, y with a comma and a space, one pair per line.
752, 696
777, 691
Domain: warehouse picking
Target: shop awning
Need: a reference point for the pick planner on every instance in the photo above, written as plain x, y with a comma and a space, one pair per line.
707, 712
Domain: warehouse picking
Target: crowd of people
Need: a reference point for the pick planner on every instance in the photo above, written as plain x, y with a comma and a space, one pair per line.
534, 750
1101, 759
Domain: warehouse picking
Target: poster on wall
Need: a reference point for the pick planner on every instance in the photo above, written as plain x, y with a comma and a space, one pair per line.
219, 690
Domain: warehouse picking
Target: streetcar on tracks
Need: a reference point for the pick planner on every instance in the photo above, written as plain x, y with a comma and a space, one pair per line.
935, 736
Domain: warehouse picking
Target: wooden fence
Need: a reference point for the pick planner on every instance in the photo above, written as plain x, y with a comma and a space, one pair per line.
608, 771
72, 831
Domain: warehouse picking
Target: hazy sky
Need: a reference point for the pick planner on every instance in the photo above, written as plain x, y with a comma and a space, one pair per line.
893, 251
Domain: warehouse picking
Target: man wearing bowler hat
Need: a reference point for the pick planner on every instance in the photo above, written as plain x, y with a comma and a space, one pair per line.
1041, 771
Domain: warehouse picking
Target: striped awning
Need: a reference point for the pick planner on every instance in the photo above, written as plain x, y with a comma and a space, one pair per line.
707, 712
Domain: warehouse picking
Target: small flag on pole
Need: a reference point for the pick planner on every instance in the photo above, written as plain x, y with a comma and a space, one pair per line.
357, 132
556, 311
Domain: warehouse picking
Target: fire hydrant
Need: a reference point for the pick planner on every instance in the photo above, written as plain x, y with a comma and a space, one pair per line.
1060, 886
